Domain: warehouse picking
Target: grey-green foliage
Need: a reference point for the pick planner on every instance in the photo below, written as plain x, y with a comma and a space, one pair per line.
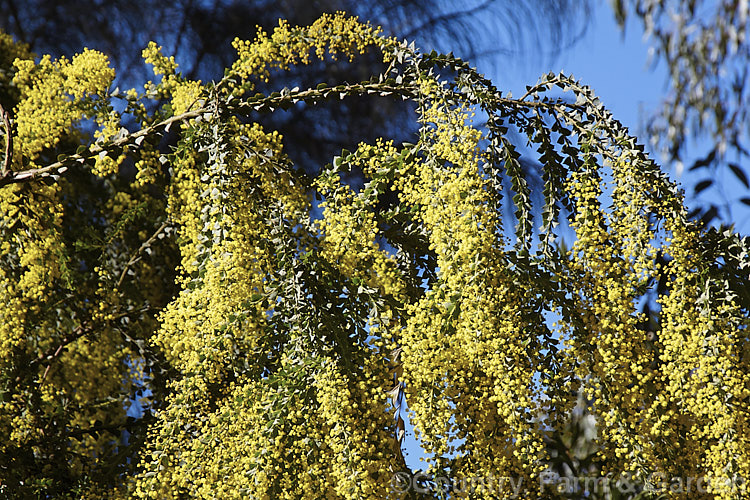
705, 48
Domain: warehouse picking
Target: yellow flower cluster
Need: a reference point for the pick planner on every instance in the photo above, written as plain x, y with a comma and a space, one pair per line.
335, 437
185, 193
105, 165
46, 112
170, 80
110, 123
57, 94
665, 399
161, 64
88, 73
336, 445
195, 334
9, 52
704, 377
190, 334
338, 34
185, 96
468, 371
65, 378
191, 182
611, 256
86, 375
148, 168
350, 238
37, 246
360, 433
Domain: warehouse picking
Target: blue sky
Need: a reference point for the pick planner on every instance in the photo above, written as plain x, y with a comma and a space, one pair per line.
617, 67
614, 64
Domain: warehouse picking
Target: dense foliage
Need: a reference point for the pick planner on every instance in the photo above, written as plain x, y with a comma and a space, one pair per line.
186, 313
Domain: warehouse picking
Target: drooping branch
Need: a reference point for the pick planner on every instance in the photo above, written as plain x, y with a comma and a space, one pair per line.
137, 254
403, 86
55, 351
259, 103
59, 167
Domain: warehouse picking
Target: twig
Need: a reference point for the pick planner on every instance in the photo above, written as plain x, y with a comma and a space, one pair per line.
60, 166
135, 257
77, 333
7, 161
264, 103
112, 428
50, 354
274, 100
53, 352
313, 94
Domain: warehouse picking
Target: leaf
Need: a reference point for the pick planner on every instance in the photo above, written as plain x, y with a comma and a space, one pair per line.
703, 162
740, 174
703, 185
710, 215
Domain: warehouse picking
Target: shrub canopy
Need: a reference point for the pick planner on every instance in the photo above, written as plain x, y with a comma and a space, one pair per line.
188, 314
